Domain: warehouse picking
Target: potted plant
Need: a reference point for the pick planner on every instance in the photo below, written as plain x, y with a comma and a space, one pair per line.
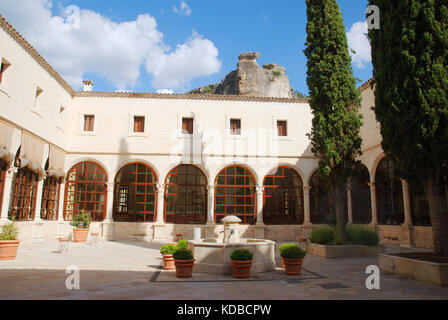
167, 254
283, 247
81, 222
293, 257
241, 263
184, 262
8, 241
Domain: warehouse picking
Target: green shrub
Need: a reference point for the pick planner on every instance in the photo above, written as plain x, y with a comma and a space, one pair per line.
182, 244
168, 249
284, 246
241, 255
9, 231
183, 254
361, 236
82, 220
293, 252
323, 235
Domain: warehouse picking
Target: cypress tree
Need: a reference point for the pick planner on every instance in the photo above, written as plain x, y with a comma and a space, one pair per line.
410, 60
334, 100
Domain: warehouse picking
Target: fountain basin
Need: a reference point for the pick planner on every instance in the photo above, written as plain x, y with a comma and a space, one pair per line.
213, 256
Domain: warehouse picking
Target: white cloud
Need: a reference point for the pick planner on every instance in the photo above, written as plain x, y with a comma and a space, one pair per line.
165, 91
196, 57
183, 9
359, 42
115, 51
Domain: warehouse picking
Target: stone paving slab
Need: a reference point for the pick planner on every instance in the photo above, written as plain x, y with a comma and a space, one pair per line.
277, 275
132, 270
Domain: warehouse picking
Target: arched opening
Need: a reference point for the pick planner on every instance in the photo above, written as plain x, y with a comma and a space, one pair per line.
86, 190
135, 194
235, 194
360, 194
22, 204
419, 204
50, 196
389, 194
186, 196
321, 209
283, 197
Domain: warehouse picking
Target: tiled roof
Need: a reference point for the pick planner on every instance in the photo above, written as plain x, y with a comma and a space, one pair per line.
366, 84
215, 97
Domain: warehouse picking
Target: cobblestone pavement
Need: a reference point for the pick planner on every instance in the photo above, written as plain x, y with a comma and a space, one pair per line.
125, 270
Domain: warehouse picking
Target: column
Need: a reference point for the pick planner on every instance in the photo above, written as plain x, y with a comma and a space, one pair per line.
211, 225
349, 204
6, 196
38, 222
259, 226
61, 210
373, 203
306, 205
210, 205
37, 214
160, 203
159, 225
406, 234
108, 223
406, 203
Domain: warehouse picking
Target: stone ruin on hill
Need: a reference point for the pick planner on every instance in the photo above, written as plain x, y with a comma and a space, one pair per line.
251, 80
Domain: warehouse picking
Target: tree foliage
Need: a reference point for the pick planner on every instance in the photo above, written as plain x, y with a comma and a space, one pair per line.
410, 56
334, 99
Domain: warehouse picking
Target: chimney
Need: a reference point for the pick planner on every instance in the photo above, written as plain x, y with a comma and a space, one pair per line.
88, 85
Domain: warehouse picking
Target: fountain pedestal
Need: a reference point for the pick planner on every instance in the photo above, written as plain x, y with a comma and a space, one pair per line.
213, 255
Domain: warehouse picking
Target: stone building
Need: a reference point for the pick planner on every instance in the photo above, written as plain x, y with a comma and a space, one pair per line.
150, 166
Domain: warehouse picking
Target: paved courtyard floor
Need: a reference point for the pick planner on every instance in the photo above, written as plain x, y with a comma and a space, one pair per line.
132, 270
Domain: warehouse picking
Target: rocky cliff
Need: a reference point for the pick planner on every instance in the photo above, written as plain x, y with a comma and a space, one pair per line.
252, 80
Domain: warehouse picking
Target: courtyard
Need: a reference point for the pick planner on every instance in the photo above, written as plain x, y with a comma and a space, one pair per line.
133, 270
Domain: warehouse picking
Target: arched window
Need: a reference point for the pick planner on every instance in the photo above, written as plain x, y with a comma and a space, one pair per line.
283, 197
360, 194
50, 198
419, 204
389, 194
3, 167
86, 190
186, 196
322, 211
235, 194
22, 204
134, 194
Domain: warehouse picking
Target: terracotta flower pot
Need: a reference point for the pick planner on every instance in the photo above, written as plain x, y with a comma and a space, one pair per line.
241, 269
283, 262
184, 268
168, 262
293, 267
8, 249
80, 235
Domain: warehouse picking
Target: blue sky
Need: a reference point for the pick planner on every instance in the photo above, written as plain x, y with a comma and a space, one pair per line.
222, 29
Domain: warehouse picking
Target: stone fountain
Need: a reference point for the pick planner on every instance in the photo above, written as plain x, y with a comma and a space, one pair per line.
213, 255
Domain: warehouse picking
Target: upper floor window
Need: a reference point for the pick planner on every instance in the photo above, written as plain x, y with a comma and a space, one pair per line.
187, 125
235, 126
3, 66
281, 128
139, 124
88, 122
